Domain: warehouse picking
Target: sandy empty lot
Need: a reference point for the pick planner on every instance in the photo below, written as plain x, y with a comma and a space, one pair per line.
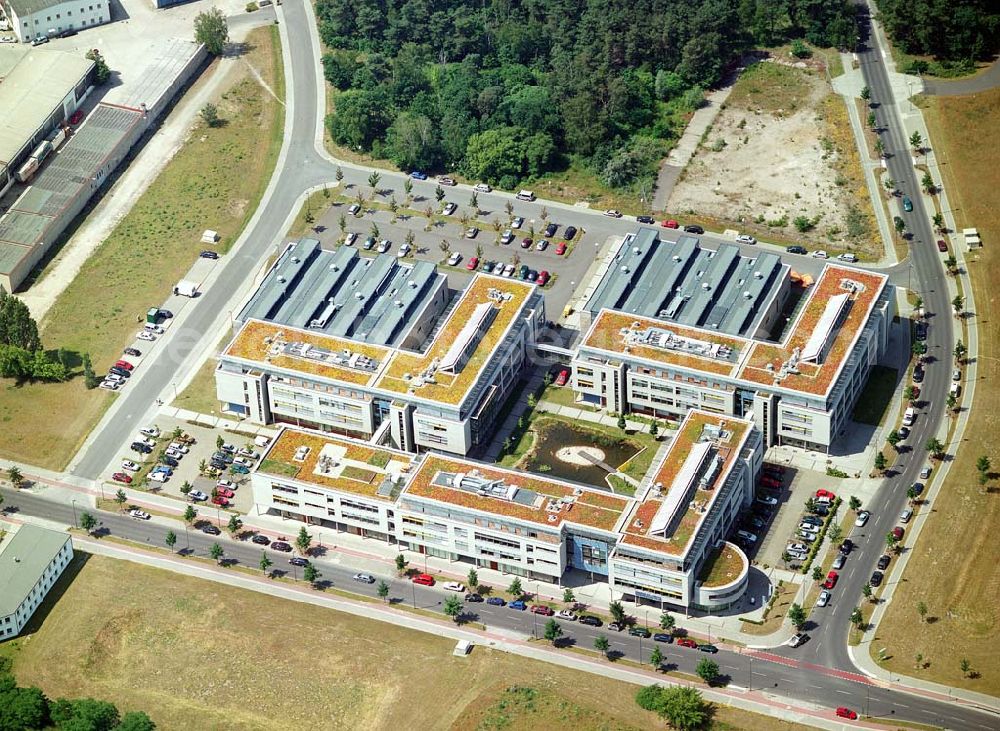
781, 149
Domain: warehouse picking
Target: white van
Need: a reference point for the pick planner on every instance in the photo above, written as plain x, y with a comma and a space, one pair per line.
955, 389
525, 195
909, 416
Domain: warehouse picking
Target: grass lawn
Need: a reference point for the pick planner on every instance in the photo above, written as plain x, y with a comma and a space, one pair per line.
199, 395
195, 654
875, 397
214, 181
776, 615
954, 567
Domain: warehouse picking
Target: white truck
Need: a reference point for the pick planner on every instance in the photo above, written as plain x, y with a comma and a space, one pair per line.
186, 288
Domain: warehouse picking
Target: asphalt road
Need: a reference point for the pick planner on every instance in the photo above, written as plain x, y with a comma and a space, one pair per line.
792, 679
829, 626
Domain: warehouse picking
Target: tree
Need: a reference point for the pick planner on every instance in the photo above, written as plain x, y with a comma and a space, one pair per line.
310, 573
303, 541
938, 220
439, 193
656, 657
667, 622
408, 189
786, 558
891, 542
617, 610
234, 524
866, 93
474, 202
210, 115
857, 619
120, 498
684, 708
855, 502
88, 522
927, 183
916, 141
867, 591
373, 181
708, 670
216, 551
601, 644
653, 428
15, 477
880, 462
382, 590
835, 533
922, 610
817, 573
190, 514
90, 379
84, 713
186, 488
960, 352
912, 493
957, 304
400, 564
509, 208
899, 224
101, 71
893, 440
934, 447
890, 185
983, 464
265, 562
951, 264
797, 616
553, 631
515, 589
568, 596
872, 121
429, 215
212, 31
453, 607
879, 147
170, 540
621, 422
374, 230
919, 348
219, 441
444, 245
965, 666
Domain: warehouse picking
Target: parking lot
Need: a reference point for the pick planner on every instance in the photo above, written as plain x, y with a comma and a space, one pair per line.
189, 465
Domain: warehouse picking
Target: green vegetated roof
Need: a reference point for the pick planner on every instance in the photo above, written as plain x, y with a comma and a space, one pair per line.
23, 558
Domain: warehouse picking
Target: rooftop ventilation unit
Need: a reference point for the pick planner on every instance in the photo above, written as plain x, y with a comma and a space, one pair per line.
758, 275
281, 279
677, 258
624, 269
706, 286
636, 250
296, 260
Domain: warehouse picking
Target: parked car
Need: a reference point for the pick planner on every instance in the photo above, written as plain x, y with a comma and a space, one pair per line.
220, 501
143, 335
417, 175
211, 529
140, 447
350, 238
687, 642
483, 188
130, 465
542, 609
613, 213
383, 246
369, 243
496, 601
645, 219
150, 431
797, 547
472, 264
566, 614
454, 259
590, 620
766, 500
831, 580
403, 250
550, 230
670, 223
907, 204
364, 578
354, 209
616, 626
526, 242
812, 520
796, 249
861, 519
454, 586
798, 640
169, 461
225, 492
693, 228
471, 232
298, 561
847, 258
824, 598
523, 272
474, 598
845, 712
139, 514
133, 352
562, 377
821, 254
507, 237
206, 254
423, 579
663, 637
838, 561
282, 546
543, 278
640, 632
159, 476
260, 539
897, 532
519, 605
925, 473
122, 477
197, 496
846, 546
517, 222
883, 561
942, 246
876, 579
570, 233
450, 208
542, 245
560, 248
826, 493
712, 649
446, 181
746, 239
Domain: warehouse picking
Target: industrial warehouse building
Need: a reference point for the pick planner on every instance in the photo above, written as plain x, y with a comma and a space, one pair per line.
31, 19
665, 545
674, 328
68, 178
375, 347
30, 563
39, 90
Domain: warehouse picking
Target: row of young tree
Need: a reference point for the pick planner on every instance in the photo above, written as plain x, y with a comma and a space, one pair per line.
25, 709
505, 90
952, 30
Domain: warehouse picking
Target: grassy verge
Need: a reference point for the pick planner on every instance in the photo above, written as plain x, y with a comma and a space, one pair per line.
199, 396
776, 614
957, 578
875, 398
256, 662
215, 180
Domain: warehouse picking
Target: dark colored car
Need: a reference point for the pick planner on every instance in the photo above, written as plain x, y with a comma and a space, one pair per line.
796, 250
120, 371
208, 254
590, 620
170, 461
551, 229
942, 246
907, 204
693, 228
523, 272
897, 533
847, 546
261, 540
883, 561
712, 649
640, 632
223, 456
663, 637
569, 233
211, 529
417, 175
496, 601
518, 605
133, 352
474, 598
526, 242
645, 219
876, 579
140, 447
281, 546
298, 561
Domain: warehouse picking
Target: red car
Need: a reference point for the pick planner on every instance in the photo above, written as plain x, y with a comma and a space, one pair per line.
831, 580
76, 117
473, 263
225, 492
844, 712
770, 482
825, 493
562, 377
897, 533
423, 579
542, 609
561, 248
124, 364
942, 246
122, 477
670, 223
543, 278
526, 242
220, 501
687, 642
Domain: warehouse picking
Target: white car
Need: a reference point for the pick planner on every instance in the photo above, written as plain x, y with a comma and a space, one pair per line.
472, 232
350, 238
507, 237
139, 514
455, 586
159, 476
143, 335
130, 466
150, 431
800, 547
197, 495
176, 454
227, 484
824, 598
180, 447
384, 245
364, 578
110, 385
798, 555
517, 222
746, 239
849, 258
767, 500
820, 255
808, 535
247, 452
483, 188
147, 441
862, 518
613, 213
450, 208
566, 614
245, 461
454, 259
508, 270
403, 250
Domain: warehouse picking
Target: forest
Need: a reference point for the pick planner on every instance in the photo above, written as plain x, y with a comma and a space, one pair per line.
957, 31
506, 90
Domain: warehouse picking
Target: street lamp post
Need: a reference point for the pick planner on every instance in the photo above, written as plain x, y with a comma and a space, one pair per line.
414, 588
750, 680
76, 523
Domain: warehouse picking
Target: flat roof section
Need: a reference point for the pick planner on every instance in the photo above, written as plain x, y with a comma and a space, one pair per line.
837, 326
343, 294
337, 463
33, 85
169, 57
498, 491
23, 558
687, 482
719, 290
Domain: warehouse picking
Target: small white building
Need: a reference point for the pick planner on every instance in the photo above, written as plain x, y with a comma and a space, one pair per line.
33, 19
30, 563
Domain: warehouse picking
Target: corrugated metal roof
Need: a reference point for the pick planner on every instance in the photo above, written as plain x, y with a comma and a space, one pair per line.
34, 85
23, 558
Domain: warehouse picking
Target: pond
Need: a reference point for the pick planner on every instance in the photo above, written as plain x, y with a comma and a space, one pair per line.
557, 446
